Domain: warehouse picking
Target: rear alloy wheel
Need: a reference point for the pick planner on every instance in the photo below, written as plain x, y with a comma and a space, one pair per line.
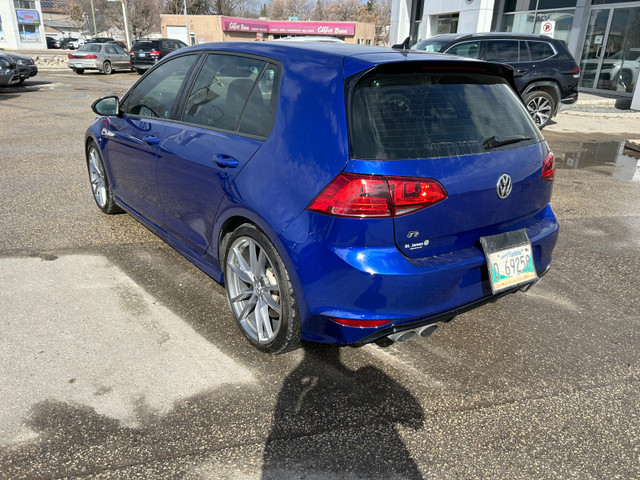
260, 292
540, 106
106, 68
102, 193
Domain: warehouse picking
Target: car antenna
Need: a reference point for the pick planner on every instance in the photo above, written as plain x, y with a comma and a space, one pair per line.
404, 45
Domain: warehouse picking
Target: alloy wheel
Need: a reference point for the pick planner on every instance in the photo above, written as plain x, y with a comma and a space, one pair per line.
254, 290
97, 178
540, 110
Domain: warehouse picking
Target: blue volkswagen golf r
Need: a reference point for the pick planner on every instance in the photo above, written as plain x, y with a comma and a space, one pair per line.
342, 194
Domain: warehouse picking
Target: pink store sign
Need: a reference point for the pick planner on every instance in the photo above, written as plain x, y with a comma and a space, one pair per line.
309, 28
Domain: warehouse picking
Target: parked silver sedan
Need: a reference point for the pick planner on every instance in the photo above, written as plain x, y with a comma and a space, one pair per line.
104, 57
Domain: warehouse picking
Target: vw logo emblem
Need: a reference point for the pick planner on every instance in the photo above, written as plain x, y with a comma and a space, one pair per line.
504, 186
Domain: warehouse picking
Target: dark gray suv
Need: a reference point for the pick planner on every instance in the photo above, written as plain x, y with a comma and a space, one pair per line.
545, 72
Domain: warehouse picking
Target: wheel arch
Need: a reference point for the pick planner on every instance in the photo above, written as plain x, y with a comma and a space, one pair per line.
224, 228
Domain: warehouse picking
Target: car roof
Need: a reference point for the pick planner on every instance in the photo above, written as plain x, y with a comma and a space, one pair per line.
490, 35
319, 52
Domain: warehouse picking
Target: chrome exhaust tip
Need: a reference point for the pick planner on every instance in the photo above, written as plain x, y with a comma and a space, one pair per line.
402, 337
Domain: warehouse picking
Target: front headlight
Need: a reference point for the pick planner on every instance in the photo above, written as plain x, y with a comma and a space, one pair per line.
22, 62
4, 64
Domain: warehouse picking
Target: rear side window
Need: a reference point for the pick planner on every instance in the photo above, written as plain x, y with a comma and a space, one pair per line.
234, 93
540, 50
398, 116
502, 51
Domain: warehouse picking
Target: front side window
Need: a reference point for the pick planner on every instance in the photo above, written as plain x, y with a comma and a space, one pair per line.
233, 93
157, 92
466, 49
420, 114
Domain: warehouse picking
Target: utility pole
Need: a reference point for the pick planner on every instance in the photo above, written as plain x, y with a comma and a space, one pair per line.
93, 14
126, 22
186, 23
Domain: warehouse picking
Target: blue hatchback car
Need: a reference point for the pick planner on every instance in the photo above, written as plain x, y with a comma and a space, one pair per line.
342, 194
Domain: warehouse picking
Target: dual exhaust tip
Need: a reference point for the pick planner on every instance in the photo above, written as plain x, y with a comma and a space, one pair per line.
406, 335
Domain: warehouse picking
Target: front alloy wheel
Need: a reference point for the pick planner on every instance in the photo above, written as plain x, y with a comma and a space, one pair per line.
260, 293
100, 187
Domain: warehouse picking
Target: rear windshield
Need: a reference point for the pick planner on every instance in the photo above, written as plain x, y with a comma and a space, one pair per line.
431, 114
89, 48
145, 45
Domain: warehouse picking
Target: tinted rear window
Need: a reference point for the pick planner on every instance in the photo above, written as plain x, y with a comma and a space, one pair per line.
429, 115
145, 45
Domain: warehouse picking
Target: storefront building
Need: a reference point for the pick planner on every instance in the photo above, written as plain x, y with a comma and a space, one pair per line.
21, 25
603, 35
215, 28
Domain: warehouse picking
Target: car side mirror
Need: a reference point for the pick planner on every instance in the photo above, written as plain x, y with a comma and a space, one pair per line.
107, 106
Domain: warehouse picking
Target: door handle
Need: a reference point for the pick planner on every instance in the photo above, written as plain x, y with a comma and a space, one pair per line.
225, 161
521, 71
151, 140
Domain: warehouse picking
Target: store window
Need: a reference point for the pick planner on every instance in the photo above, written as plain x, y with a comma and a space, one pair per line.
28, 25
531, 22
448, 23
24, 4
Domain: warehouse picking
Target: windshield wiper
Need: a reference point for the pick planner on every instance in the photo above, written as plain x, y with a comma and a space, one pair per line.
495, 141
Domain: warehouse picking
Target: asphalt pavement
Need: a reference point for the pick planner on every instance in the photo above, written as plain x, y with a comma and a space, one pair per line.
119, 358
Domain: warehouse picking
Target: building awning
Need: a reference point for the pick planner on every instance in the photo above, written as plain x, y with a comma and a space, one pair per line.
302, 28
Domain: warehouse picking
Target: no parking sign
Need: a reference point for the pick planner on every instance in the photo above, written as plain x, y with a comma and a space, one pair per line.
548, 28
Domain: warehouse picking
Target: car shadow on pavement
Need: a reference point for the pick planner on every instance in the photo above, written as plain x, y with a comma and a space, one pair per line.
334, 422
329, 421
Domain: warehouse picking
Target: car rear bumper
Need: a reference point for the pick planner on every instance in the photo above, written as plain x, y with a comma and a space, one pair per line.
380, 284
84, 64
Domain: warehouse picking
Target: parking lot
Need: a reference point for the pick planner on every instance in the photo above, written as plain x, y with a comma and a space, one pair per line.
120, 359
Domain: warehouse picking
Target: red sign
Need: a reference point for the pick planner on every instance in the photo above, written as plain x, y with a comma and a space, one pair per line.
309, 28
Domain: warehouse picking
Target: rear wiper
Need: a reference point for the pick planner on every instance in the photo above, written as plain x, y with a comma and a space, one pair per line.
495, 141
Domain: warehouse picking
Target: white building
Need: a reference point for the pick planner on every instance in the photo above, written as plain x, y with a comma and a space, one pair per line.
21, 26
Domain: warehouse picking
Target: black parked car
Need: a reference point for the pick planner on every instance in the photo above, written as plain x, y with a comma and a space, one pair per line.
545, 72
145, 53
65, 43
26, 66
51, 42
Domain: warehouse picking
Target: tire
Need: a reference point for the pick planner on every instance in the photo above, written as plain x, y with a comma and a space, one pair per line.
100, 186
140, 72
79, 71
260, 292
626, 80
106, 68
541, 107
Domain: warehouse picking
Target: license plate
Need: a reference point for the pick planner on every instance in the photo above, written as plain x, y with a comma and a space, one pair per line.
79, 65
509, 260
142, 54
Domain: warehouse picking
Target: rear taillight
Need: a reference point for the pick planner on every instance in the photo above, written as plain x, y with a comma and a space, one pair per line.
549, 167
575, 70
70, 55
156, 53
356, 195
131, 52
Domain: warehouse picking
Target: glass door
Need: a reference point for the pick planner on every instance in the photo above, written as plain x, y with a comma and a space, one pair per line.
593, 50
611, 56
620, 65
